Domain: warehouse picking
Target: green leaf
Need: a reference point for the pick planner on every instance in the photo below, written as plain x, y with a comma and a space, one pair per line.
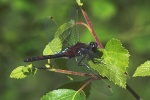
56, 44
143, 70
79, 2
64, 94
33, 71
63, 28
113, 64
21, 72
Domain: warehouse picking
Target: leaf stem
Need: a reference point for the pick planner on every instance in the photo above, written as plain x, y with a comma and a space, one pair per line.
84, 24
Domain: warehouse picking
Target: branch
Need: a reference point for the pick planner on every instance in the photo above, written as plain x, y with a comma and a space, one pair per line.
133, 92
91, 27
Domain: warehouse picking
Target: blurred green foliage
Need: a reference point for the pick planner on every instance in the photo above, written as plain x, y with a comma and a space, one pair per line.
22, 34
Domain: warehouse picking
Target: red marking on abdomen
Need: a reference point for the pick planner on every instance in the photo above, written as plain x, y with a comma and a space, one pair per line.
40, 56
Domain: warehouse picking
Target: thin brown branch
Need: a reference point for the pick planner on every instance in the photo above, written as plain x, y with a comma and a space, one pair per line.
133, 92
84, 85
91, 27
71, 72
84, 24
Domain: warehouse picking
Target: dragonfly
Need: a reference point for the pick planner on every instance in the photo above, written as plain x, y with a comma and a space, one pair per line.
79, 49
77, 54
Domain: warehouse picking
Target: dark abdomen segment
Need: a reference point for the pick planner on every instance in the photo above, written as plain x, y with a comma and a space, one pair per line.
31, 59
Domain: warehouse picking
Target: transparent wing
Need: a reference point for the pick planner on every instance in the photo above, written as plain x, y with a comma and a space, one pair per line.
53, 45
57, 36
66, 34
98, 85
72, 33
63, 36
50, 27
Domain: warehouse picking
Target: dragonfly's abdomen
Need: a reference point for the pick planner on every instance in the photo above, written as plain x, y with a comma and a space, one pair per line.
44, 57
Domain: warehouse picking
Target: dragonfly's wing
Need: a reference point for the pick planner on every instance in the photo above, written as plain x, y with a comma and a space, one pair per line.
65, 35
102, 86
53, 45
50, 27
72, 33
57, 36
98, 85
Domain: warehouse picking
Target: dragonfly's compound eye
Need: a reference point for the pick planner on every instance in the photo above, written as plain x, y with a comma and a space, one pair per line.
93, 45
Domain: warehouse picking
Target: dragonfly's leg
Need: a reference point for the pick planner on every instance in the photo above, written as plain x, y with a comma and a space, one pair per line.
82, 64
80, 61
76, 59
91, 57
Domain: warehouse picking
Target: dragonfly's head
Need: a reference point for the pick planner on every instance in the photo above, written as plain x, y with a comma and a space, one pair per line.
93, 46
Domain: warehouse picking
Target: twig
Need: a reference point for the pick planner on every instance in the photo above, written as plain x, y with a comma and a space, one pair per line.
84, 24
133, 92
84, 85
73, 72
91, 27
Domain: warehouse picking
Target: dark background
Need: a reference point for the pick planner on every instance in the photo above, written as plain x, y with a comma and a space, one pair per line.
22, 34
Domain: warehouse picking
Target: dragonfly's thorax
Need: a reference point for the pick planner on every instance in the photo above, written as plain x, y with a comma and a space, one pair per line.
79, 49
